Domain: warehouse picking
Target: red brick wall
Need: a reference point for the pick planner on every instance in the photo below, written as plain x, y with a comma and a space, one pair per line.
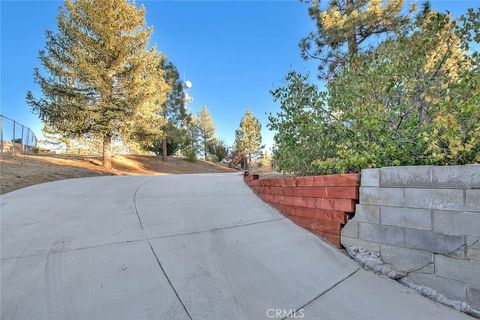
320, 204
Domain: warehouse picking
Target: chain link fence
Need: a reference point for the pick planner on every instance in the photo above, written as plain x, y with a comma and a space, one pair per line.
16, 138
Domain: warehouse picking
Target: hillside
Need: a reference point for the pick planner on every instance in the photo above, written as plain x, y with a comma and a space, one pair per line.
26, 170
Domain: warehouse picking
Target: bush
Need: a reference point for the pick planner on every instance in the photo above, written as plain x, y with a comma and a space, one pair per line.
217, 149
213, 158
35, 150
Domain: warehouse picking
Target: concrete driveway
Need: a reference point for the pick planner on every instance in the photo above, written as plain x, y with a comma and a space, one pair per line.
179, 247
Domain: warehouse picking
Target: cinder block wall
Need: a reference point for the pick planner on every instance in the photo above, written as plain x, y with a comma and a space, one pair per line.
320, 204
425, 222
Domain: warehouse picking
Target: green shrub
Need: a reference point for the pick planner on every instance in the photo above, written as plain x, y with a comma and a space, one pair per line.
217, 149
213, 158
190, 153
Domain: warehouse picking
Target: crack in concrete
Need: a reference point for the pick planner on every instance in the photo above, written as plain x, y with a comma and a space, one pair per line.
324, 292
216, 229
135, 202
155, 254
73, 249
144, 239
169, 281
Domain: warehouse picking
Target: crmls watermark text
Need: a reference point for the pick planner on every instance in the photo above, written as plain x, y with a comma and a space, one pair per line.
283, 313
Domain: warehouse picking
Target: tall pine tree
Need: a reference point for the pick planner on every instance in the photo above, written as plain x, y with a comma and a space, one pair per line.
206, 129
248, 139
102, 78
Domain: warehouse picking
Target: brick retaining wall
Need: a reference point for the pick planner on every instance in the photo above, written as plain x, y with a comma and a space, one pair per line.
320, 204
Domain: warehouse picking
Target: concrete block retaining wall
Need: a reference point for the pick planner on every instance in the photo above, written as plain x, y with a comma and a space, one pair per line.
320, 204
425, 222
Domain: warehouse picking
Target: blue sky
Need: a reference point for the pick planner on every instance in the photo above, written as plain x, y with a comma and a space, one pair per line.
234, 52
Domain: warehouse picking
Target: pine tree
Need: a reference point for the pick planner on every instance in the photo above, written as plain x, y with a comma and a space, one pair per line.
102, 78
174, 110
248, 139
206, 129
346, 27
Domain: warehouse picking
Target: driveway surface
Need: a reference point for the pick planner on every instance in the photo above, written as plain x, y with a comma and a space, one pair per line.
179, 247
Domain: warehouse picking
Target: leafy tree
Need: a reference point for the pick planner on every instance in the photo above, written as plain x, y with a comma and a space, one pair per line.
102, 78
248, 139
206, 129
304, 130
347, 27
411, 101
454, 132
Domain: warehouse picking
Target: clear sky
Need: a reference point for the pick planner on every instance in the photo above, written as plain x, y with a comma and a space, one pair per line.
234, 52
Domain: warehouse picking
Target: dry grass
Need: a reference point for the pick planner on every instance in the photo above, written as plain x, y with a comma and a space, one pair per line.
26, 170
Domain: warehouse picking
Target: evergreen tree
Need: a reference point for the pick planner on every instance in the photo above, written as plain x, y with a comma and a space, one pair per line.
248, 139
206, 129
174, 112
347, 27
102, 78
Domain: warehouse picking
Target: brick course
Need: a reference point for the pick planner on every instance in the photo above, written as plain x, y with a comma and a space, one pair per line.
320, 204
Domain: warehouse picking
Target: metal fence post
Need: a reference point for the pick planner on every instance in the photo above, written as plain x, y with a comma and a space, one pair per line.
28, 137
23, 144
13, 139
1, 134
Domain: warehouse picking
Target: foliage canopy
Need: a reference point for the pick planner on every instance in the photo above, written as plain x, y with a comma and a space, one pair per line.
413, 100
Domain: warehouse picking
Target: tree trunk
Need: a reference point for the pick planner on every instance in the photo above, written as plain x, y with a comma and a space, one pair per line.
107, 152
164, 149
421, 114
164, 129
205, 147
352, 40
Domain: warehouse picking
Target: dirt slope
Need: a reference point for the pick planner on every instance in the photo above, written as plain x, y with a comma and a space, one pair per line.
26, 170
